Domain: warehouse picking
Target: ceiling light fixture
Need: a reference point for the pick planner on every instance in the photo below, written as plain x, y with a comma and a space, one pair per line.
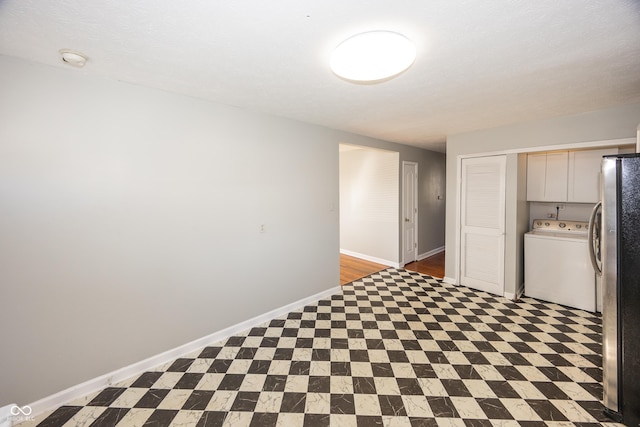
73, 58
372, 57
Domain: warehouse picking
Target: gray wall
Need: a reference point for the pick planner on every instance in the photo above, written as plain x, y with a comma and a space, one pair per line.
127, 216
431, 185
612, 123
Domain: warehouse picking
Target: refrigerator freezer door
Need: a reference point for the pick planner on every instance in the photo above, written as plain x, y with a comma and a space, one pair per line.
610, 354
628, 241
621, 287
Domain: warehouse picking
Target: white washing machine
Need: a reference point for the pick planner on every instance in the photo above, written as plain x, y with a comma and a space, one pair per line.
557, 267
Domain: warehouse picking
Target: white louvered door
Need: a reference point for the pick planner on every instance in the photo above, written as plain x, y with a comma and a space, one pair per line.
483, 223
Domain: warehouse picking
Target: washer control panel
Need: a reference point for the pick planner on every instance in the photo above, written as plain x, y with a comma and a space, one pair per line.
555, 225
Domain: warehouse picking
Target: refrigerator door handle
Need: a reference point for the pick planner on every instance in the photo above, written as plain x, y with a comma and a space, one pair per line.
592, 230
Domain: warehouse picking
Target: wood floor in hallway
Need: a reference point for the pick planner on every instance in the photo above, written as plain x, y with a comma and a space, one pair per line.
352, 268
433, 266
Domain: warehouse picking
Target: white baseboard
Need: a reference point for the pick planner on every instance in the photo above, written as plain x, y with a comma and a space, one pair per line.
371, 258
98, 383
430, 253
515, 296
449, 280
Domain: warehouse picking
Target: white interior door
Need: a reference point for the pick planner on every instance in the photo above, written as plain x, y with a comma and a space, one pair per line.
409, 212
482, 223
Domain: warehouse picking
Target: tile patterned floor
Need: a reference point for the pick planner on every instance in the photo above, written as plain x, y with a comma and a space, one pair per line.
396, 348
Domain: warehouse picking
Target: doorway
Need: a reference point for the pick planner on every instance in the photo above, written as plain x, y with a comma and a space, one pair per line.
370, 204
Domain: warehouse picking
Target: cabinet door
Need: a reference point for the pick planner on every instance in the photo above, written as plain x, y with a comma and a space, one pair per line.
584, 174
555, 189
536, 176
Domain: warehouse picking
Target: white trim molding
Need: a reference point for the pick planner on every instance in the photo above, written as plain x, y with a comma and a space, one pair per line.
98, 383
431, 253
510, 296
371, 258
520, 291
449, 280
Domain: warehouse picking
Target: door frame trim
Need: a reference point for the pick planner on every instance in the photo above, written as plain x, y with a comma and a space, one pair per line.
416, 214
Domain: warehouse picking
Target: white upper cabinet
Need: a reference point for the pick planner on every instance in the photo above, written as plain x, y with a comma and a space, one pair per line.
536, 176
584, 175
547, 176
565, 176
555, 188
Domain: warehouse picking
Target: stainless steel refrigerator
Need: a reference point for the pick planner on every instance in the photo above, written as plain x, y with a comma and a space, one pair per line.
615, 237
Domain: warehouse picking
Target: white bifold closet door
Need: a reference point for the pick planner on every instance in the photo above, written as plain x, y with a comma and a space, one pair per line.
482, 223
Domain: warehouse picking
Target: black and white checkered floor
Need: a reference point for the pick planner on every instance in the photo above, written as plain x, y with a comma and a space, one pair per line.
396, 348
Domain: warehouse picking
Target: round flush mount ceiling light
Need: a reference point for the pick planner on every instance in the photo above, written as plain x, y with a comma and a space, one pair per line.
73, 58
372, 57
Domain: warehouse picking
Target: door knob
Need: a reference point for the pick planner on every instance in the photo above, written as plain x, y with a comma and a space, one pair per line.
407, 220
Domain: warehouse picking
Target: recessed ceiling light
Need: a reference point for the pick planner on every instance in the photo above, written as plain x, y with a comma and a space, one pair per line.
73, 58
373, 56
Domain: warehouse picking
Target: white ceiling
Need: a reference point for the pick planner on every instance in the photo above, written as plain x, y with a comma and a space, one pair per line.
480, 64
